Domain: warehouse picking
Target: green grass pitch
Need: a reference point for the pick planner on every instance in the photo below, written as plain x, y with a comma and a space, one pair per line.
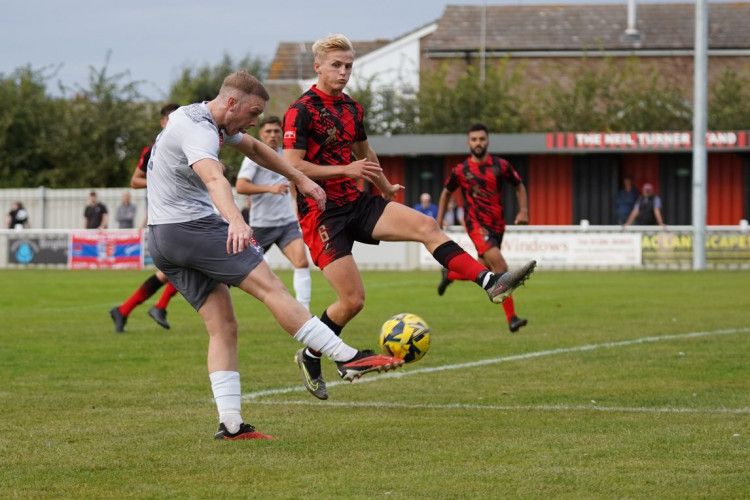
632, 384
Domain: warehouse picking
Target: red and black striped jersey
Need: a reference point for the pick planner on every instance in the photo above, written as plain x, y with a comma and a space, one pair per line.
325, 127
482, 189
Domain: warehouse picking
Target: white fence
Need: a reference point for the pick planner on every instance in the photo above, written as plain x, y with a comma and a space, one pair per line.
63, 208
54, 213
553, 247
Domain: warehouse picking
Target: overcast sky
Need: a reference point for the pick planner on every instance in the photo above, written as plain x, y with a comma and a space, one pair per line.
153, 40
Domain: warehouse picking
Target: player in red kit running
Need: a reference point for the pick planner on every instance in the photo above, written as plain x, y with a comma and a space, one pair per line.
324, 137
481, 177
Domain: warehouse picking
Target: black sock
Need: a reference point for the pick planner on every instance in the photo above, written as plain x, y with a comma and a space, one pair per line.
445, 252
151, 285
330, 324
480, 280
312, 368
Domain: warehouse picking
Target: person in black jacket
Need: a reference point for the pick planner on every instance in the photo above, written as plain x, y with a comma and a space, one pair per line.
647, 209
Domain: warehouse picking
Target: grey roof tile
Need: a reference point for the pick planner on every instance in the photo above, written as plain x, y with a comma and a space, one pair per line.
594, 26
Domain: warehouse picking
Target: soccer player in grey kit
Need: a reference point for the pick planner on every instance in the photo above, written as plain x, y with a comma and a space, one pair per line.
203, 253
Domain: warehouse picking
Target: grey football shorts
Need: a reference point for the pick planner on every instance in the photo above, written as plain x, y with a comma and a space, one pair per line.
193, 255
281, 235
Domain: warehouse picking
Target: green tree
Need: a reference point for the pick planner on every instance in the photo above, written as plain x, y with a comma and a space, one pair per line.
29, 125
203, 84
727, 109
606, 94
387, 111
643, 99
91, 139
497, 101
102, 132
579, 106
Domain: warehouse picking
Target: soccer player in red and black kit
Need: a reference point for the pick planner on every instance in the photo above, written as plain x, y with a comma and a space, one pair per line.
481, 177
149, 287
324, 137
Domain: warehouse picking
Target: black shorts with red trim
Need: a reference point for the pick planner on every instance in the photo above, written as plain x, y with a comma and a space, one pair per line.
484, 239
331, 234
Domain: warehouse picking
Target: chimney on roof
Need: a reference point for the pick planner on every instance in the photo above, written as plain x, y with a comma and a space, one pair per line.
631, 34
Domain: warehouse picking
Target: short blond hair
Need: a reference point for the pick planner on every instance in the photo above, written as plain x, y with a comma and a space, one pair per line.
329, 44
245, 83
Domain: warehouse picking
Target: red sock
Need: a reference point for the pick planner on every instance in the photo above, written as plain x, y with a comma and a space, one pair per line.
454, 276
166, 296
465, 267
509, 308
146, 290
457, 261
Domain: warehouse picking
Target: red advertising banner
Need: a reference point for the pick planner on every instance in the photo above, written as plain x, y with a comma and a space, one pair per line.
643, 140
106, 250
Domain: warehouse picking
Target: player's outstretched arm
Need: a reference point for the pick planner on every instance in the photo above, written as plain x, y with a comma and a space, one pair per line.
365, 152
296, 158
245, 186
268, 158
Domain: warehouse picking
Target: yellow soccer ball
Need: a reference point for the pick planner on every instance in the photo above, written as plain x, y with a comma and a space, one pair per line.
405, 336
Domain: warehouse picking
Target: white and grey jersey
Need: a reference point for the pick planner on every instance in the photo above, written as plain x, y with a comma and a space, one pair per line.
175, 192
267, 209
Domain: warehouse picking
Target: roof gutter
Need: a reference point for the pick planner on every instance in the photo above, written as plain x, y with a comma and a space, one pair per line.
453, 54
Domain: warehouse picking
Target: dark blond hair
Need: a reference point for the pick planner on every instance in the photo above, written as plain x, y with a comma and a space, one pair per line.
330, 44
244, 83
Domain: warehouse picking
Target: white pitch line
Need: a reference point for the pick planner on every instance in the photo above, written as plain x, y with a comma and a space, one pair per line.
461, 406
492, 361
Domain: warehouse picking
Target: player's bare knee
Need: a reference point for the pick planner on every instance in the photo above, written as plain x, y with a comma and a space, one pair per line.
225, 330
300, 262
428, 230
353, 304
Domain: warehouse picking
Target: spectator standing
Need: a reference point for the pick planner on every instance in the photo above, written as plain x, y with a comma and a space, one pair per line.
95, 214
625, 200
126, 213
426, 206
18, 217
647, 209
454, 214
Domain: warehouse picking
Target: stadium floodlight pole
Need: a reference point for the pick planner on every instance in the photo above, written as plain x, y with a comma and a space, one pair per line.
700, 79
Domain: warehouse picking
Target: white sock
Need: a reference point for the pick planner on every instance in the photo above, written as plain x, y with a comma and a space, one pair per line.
226, 389
316, 335
302, 284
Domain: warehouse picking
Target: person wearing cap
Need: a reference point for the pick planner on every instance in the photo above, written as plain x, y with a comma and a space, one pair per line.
647, 209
